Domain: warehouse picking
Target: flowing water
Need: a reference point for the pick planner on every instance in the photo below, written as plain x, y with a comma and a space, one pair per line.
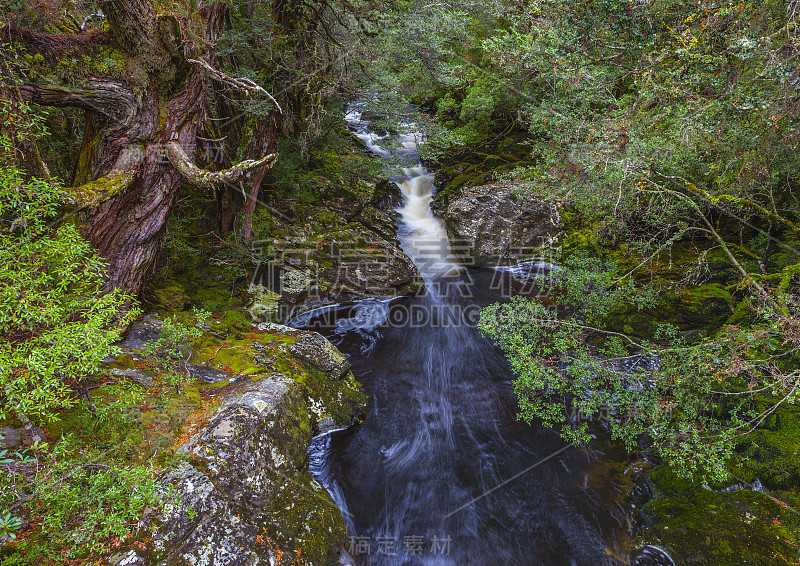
441, 472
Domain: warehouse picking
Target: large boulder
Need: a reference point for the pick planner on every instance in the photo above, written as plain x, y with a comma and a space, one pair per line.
337, 265
319, 352
343, 249
493, 224
243, 493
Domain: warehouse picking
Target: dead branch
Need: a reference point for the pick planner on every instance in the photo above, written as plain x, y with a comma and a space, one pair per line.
241, 83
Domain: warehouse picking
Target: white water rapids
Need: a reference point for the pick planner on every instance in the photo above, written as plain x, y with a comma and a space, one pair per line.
422, 235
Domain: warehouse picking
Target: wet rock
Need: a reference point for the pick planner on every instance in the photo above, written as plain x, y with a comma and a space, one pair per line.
9, 438
136, 375
141, 332
326, 424
492, 223
318, 351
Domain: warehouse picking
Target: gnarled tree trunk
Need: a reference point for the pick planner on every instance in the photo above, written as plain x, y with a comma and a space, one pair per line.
124, 179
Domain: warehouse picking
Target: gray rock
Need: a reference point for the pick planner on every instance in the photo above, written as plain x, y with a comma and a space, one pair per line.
495, 224
261, 354
245, 481
201, 528
130, 558
140, 377
207, 373
9, 438
319, 352
357, 259
275, 327
148, 329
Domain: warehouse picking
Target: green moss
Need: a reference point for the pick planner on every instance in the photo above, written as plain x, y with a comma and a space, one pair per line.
582, 243
311, 525
702, 527
340, 399
171, 298
95, 192
772, 452
743, 314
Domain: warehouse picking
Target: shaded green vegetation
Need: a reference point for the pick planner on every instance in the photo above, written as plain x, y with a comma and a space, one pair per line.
701, 526
666, 132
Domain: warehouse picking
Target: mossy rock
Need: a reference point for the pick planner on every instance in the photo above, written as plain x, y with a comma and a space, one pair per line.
698, 526
331, 399
584, 243
699, 311
743, 314
492, 162
170, 299
707, 305
772, 452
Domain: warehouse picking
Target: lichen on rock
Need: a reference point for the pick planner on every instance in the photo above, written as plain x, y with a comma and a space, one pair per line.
317, 350
242, 492
493, 223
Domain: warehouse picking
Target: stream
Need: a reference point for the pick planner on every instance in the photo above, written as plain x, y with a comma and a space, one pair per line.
441, 472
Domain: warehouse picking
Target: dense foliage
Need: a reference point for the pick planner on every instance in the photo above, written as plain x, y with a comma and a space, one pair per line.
691, 401
57, 324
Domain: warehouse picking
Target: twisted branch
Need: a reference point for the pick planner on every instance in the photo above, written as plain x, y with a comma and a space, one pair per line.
212, 179
241, 83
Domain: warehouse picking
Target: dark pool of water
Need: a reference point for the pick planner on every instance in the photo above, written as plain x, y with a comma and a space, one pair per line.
441, 471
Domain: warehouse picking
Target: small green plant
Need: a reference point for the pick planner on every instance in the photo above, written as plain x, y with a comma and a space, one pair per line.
173, 346
175, 335
9, 525
16, 457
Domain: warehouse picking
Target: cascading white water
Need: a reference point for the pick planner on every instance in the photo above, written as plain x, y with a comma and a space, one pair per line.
422, 235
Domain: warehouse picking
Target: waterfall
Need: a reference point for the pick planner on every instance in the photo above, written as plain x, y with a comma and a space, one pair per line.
422, 235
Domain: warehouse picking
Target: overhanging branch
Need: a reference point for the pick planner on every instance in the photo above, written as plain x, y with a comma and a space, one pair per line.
112, 101
212, 179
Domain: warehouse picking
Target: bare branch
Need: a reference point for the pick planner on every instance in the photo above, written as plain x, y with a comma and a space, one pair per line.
242, 83
112, 101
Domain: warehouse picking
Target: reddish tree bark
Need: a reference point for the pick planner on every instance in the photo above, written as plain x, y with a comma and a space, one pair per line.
128, 127
263, 144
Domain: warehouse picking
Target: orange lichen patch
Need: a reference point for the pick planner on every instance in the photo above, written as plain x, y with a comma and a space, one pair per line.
194, 423
279, 554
